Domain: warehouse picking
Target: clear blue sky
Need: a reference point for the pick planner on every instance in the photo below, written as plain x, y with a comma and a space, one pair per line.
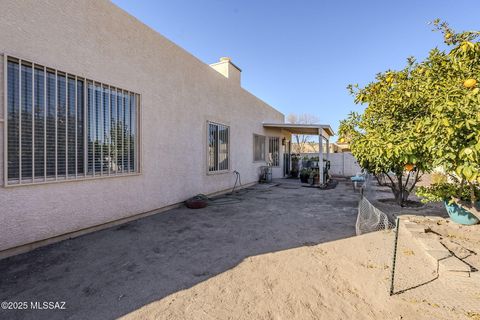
299, 56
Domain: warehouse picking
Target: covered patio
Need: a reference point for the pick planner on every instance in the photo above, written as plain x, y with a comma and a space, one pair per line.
324, 133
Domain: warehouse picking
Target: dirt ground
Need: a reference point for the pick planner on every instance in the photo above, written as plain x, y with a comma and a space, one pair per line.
110, 273
270, 252
462, 241
345, 279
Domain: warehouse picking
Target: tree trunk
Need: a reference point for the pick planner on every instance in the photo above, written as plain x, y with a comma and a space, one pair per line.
399, 196
399, 190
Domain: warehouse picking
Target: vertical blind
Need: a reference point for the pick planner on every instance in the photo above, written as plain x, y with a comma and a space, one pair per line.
62, 127
218, 147
274, 151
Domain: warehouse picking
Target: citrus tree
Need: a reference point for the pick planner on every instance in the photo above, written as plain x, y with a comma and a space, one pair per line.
451, 124
384, 139
426, 115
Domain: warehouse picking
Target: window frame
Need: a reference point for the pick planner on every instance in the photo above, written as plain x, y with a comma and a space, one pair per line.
264, 148
214, 172
83, 176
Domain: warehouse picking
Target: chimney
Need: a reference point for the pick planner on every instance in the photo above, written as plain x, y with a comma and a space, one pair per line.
226, 68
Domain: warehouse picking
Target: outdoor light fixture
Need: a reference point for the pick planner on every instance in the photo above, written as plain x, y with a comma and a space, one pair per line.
283, 141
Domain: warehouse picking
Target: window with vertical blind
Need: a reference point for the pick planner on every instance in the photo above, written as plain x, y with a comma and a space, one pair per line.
63, 127
258, 148
218, 147
274, 151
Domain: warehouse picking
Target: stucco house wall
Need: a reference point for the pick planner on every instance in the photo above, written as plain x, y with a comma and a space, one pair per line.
179, 94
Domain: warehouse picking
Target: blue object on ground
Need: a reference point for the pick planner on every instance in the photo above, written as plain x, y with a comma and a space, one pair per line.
357, 179
460, 215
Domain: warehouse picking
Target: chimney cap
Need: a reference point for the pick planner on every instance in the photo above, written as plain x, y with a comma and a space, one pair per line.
229, 60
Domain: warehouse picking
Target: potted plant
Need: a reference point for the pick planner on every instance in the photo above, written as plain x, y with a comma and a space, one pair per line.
314, 177
304, 175
462, 202
294, 170
305, 160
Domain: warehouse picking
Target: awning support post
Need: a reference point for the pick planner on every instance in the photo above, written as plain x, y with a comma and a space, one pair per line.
328, 148
320, 156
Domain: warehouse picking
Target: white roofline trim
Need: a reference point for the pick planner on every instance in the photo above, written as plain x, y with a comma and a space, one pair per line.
300, 126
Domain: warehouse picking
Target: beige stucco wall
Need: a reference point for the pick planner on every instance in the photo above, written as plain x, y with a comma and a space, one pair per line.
179, 93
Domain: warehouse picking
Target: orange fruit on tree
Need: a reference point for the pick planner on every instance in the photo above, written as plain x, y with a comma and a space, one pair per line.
470, 83
448, 36
409, 167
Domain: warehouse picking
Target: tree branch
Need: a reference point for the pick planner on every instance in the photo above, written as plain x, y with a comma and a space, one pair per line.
472, 193
415, 181
378, 180
393, 183
406, 182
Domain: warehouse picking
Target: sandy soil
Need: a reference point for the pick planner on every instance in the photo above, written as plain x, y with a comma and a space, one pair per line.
344, 279
110, 273
463, 241
268, 252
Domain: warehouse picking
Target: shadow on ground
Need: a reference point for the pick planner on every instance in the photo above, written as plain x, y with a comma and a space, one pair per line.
110, 273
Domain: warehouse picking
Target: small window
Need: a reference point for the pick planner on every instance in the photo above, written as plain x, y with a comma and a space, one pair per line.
258, 148
274, 151
218, 147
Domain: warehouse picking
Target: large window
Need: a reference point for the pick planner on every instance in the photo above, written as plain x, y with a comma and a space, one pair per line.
218, 147
274, 151
63, 127
258, 148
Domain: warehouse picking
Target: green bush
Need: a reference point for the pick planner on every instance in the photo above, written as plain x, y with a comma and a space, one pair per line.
446, 192
438, 178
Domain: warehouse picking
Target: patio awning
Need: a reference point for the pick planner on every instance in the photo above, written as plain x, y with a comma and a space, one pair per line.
298, 128
324, 132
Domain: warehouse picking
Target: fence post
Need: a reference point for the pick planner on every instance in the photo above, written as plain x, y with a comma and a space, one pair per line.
394, 259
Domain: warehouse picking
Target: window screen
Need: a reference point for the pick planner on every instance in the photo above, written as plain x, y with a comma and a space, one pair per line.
258, 148
218, 147
61, 127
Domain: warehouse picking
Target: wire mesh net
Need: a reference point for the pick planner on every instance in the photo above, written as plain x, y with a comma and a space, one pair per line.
370, 218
